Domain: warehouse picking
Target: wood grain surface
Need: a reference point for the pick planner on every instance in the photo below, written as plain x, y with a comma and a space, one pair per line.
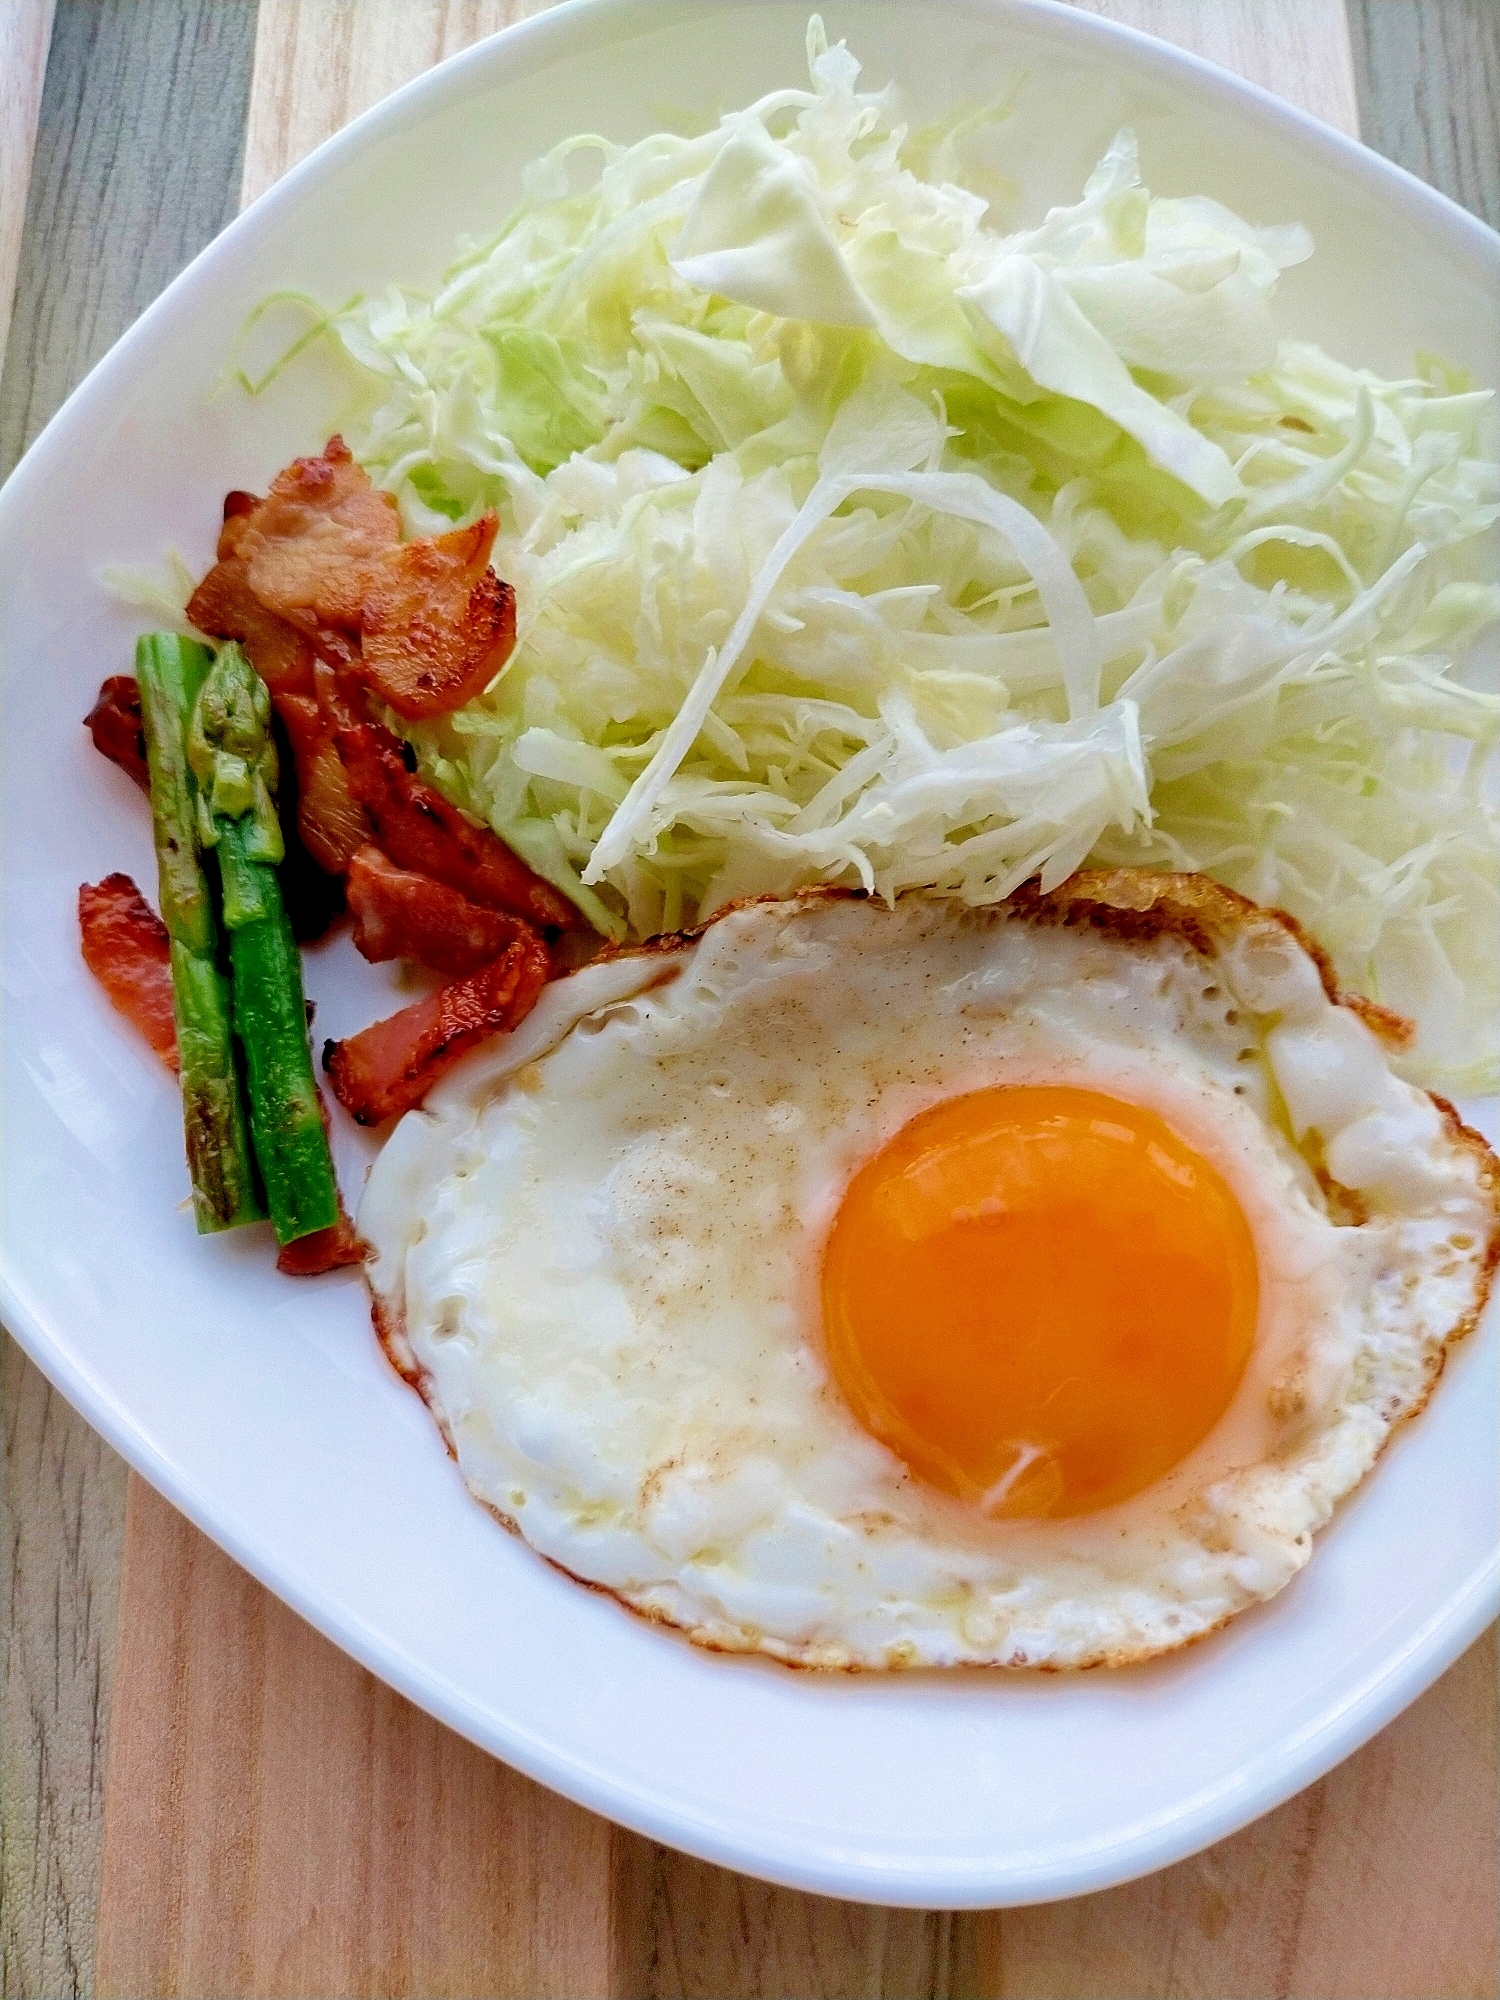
319, 63
280, 1823
1298, 48
1429, 92
63, 1522
136, 167
1379, 1880
25, 36
135, 170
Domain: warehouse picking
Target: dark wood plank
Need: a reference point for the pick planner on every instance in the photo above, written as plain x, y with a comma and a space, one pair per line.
25, 37
136, 167
1428, 73
63, 1525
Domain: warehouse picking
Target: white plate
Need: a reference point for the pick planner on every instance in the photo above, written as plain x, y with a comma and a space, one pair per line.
261, 1406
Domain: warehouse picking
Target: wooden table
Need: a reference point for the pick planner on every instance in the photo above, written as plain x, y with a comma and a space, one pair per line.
200, 1795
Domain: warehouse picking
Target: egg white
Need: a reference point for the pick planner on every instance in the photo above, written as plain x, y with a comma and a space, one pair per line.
598, 1252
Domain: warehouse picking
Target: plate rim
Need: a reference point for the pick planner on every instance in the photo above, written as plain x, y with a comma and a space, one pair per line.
1216, 1810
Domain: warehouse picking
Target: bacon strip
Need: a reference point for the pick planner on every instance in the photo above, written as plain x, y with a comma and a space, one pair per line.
438, 624
114, 722
391, 1066
313, 894
125, 946
225, 607
312, 545
322, 556
325, 1250
399, 914
421, 831
331, 821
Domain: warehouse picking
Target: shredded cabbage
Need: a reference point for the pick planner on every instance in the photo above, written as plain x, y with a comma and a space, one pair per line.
856, 540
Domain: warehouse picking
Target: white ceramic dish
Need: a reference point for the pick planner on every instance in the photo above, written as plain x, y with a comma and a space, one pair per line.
262, 1407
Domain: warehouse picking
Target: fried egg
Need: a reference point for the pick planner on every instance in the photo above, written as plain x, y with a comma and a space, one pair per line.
928, 1286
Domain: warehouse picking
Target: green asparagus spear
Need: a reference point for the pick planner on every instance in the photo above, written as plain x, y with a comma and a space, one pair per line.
233, 759
170, 672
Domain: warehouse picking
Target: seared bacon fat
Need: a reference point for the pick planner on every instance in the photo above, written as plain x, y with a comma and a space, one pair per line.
388, 1068
420, 830
125, 946
399, 914
114, 722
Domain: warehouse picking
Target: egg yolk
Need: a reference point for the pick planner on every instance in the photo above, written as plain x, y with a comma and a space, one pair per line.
1040, 1297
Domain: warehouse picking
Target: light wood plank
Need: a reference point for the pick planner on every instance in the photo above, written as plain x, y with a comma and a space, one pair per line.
712, 1932
25, 35
280, 1823
1379, 1883
1299, 49
203, 1773
319, 63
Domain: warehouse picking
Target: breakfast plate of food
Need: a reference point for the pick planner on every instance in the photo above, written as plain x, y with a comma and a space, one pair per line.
766, 1049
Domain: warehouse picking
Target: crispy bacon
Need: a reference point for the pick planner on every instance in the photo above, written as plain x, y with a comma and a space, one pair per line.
125, 946
323, 552
421, 831
389, 1067
330, 819
316, 576
315, 507
313, 894
325, 1250
226, 607
438, 623
114, 722
312, 544
399, 914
